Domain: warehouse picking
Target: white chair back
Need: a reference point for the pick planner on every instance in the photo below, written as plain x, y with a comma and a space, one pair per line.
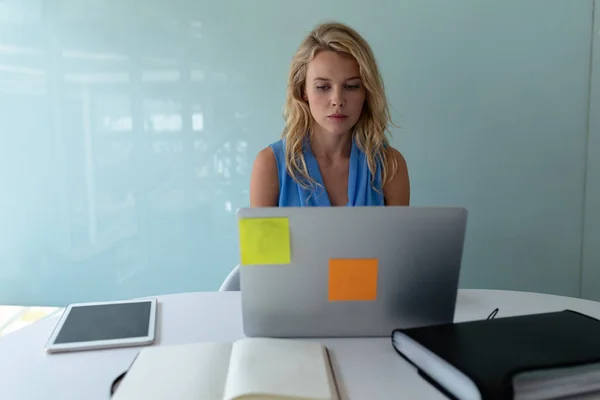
232, 281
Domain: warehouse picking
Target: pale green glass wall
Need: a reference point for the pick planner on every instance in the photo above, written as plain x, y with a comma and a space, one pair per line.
128, 131
590, 277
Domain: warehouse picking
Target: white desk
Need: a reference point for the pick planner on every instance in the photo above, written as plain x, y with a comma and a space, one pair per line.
366, 368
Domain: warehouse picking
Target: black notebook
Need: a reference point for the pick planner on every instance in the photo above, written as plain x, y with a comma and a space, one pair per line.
530, 357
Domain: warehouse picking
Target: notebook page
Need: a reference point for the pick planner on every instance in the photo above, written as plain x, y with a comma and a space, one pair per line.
263, 368
557, 382
183, 372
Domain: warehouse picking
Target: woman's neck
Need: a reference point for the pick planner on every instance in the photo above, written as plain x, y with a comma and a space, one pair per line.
331, 147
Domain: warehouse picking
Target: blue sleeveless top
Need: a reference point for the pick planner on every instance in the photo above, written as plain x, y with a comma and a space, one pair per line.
360, 187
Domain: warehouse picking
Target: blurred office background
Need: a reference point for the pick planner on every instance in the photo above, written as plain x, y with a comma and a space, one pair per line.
128, 130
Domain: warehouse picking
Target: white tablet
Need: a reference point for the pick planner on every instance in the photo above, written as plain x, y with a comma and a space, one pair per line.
87, 326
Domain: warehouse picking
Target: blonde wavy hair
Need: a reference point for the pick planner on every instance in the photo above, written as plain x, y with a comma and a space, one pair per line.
370, 131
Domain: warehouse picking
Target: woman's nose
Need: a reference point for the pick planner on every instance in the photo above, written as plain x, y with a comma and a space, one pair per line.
338, 99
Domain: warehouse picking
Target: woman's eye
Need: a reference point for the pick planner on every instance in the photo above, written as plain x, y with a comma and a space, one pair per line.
349, 87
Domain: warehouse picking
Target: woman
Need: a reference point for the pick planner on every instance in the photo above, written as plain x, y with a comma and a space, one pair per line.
334, 150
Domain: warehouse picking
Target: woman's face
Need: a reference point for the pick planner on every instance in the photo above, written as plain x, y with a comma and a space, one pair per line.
334, 92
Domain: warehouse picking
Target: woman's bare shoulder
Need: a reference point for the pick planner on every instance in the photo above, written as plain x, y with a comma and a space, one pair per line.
397, 188
264, 180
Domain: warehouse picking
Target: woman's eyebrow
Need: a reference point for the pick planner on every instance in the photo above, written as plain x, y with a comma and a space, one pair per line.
318, 78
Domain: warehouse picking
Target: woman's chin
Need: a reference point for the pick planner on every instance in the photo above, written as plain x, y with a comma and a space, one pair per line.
336, 130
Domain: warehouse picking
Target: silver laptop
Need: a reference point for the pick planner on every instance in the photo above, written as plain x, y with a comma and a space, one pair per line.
348, 271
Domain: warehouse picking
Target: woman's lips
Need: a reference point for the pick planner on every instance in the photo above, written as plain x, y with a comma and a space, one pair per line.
337, 117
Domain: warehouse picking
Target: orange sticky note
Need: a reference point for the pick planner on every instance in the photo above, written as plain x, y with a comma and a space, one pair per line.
353, 279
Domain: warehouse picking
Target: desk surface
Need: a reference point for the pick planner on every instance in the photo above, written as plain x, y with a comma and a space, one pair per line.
365, 368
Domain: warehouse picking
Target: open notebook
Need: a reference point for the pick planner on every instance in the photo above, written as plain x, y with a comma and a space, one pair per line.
248, 369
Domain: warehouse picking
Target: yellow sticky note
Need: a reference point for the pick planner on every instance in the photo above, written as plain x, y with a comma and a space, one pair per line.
265, 241
353, 279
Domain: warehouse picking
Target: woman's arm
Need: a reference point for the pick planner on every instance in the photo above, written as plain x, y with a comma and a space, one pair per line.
264, 181
397, 190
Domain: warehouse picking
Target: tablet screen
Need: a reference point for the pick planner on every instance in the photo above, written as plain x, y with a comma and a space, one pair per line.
105, 322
